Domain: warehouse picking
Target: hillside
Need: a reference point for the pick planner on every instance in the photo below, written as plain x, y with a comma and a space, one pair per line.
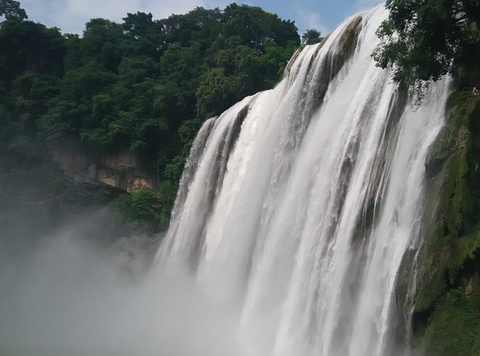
118, 108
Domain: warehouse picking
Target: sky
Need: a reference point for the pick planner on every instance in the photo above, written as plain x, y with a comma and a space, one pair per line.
71, 15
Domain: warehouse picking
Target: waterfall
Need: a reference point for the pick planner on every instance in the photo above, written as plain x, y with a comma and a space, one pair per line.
297, 205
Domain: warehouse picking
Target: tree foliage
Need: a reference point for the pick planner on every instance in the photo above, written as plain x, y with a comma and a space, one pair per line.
140, 209
142, 86
425, 40
11, 10
311, 36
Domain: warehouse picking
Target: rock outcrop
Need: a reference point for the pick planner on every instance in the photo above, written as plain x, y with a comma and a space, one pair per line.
119, 171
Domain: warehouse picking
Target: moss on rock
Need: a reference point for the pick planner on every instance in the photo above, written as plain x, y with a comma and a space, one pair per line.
453, 328
446, 316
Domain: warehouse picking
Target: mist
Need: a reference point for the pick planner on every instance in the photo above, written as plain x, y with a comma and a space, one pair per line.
62, 293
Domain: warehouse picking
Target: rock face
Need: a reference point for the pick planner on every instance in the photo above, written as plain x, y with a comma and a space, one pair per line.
447, 303
119, 171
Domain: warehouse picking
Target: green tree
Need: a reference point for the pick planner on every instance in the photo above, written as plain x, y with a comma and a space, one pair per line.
145, 35
103, 40
311, 36
29, 46
140, 209
425, 40
199, 26
11, 10
256, 27
235, 73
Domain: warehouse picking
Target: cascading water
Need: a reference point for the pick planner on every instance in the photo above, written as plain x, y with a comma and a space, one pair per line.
297, 205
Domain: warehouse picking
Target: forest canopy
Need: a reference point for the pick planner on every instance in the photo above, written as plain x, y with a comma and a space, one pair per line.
142, 86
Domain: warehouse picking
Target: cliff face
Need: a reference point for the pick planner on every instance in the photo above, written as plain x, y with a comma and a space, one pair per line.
120, 171
447, 305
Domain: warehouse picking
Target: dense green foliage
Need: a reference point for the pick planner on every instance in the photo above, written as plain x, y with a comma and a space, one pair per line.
454, 327
140, 209
311, 36
427, 39
142, 86
11, 10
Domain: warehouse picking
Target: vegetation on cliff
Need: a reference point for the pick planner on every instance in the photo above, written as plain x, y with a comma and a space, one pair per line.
142, 86
447, 308
424, 40
428, 39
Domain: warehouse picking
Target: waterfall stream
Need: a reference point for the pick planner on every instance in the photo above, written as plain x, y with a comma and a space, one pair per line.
298, 204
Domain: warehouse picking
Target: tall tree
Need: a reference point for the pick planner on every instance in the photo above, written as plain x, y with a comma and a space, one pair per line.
29, 46
256, 27
11, 10
311, 36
